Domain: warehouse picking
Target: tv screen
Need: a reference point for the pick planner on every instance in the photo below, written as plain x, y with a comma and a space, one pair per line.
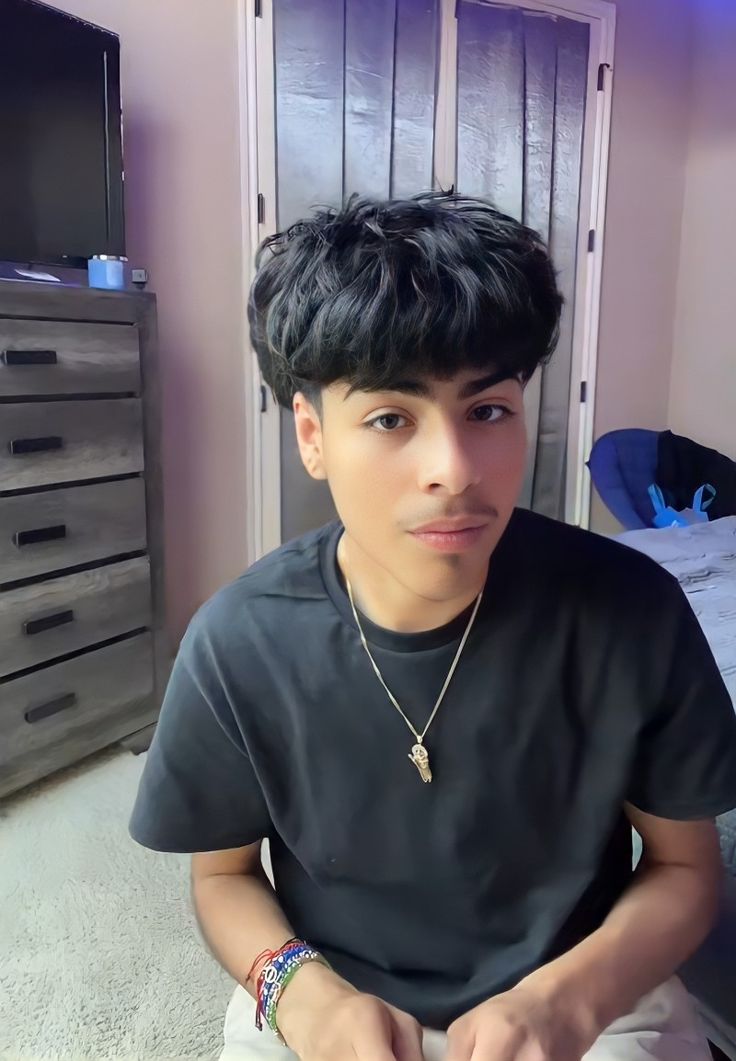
61, 167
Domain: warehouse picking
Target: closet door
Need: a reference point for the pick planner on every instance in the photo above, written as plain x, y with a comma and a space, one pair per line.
521, 91
355, 87
357, 105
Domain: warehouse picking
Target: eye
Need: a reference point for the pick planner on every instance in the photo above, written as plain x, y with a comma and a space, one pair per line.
491, 414
387, 422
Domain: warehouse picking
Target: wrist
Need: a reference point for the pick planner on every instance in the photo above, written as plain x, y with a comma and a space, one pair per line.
314, 988
574, 1000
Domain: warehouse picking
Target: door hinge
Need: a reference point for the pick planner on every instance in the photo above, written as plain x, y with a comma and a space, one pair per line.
264, 399
261, 208
583, 392
602, 75
591, 241
258, 9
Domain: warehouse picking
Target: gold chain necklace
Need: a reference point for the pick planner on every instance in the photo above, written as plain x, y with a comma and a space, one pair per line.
419, 754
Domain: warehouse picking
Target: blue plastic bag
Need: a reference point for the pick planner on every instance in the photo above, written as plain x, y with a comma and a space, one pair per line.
666, 516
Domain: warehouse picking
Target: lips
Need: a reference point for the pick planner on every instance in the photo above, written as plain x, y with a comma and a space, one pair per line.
451, 526
451, 541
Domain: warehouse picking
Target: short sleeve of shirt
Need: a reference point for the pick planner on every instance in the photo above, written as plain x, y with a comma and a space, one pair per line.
685, 765
198, 791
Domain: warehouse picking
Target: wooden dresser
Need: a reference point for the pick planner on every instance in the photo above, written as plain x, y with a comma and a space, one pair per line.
83, 660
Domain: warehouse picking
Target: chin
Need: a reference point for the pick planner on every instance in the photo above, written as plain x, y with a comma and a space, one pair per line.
445, 578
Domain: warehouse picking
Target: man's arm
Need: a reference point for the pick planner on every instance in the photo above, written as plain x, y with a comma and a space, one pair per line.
321, 1016
236, 908
656, 925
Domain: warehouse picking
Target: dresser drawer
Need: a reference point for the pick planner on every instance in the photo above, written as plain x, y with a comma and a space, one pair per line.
49, 619
54, 716
67, 357
54, 529
59, 442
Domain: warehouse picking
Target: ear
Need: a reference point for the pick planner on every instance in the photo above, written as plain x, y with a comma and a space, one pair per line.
309, 436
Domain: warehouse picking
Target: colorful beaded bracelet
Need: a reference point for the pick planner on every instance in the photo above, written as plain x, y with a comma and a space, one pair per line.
263, 958
275, 977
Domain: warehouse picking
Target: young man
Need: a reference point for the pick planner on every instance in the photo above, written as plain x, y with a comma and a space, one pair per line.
444, 713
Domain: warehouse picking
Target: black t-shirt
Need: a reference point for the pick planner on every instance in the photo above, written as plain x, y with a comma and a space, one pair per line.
586, 682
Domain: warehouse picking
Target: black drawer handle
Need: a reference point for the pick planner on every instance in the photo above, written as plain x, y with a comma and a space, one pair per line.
53, 707
19, 446
29, 357
40, 534
50, 622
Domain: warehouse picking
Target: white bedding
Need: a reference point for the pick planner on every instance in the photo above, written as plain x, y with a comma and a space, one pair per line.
703, 559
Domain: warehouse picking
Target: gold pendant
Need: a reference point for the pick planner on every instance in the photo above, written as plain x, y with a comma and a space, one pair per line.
420, 757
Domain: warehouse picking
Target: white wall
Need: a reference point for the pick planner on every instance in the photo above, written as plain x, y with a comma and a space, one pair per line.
181, 108
703, 391
649, 143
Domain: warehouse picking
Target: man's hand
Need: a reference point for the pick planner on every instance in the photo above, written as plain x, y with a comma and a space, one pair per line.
520, 1025
323, 1018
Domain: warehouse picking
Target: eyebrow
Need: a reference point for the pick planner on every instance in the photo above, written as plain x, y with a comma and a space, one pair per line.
420, 389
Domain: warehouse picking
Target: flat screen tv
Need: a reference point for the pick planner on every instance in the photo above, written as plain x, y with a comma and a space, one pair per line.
61, 165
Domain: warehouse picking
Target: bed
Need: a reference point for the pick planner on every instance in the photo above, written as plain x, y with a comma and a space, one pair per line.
703, 559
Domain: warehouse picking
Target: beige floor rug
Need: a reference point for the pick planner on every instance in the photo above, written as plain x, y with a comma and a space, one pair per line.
99, 952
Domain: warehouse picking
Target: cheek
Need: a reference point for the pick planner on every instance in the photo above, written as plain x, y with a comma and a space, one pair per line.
507, 456
362, 477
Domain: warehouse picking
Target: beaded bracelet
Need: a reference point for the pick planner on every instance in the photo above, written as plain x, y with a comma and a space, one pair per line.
263, 958
276, 974
275, 978
272, 974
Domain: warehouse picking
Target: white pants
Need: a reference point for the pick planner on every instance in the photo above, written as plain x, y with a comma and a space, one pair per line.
663, 1027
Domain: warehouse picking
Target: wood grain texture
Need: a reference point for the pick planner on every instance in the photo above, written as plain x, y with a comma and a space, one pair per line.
58, 302
101, 520
109, 343
91, 358
100, 438
490, 104
416, 66
113, 687
106, 602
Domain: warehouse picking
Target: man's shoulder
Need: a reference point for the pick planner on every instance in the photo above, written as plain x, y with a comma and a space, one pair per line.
573, 556
268, 588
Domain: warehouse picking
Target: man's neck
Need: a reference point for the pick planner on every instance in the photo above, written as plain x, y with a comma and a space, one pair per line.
390, 604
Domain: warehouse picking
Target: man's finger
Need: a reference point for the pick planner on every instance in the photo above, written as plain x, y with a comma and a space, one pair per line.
497, 1049
373, 1041
370, 1049
407, 1040
460, 1046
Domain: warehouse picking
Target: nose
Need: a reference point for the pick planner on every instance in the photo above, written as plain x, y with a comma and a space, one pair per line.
450, 463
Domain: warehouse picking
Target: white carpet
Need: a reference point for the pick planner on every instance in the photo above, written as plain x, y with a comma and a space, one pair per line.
99, 952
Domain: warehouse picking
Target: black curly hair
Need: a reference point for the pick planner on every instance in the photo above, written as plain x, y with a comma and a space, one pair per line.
374, 291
